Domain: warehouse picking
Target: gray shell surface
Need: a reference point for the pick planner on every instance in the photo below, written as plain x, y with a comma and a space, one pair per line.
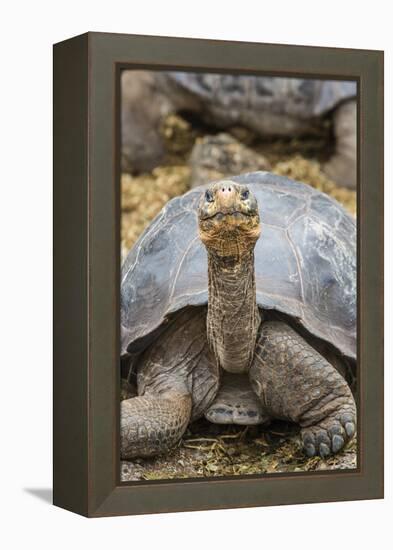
297, 97
305, 263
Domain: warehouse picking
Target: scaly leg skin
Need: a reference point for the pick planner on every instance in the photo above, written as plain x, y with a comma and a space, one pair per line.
177, 378
152, 424
294, 382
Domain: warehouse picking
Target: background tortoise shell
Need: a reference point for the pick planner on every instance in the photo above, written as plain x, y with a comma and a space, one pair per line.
234, 94
305, 262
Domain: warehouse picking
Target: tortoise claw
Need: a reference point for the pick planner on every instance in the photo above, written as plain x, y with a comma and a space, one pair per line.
324, 450
309, 450
350, 429
337, 443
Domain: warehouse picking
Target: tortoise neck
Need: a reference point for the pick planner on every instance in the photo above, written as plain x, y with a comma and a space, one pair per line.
233, 316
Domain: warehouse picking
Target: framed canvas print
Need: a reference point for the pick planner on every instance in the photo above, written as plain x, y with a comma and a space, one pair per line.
218, 261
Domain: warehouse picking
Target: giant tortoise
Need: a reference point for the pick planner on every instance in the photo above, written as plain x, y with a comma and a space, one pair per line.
238, 303
269, 106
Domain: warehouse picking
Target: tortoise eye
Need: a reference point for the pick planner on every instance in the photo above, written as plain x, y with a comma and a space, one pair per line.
245, 194
209, 196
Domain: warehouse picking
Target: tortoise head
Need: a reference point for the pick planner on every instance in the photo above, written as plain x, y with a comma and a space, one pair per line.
228, 219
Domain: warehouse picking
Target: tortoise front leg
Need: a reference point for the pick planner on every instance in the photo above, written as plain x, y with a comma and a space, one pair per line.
151, 425
296, 383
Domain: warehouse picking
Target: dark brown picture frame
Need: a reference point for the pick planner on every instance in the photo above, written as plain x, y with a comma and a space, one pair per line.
87, 274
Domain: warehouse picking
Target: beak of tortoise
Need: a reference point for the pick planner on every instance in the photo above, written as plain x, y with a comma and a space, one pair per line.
226, 205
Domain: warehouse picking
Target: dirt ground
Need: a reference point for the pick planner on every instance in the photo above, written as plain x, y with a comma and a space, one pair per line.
208, 450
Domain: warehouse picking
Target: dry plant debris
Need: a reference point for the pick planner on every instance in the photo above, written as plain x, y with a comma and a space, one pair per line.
208, 450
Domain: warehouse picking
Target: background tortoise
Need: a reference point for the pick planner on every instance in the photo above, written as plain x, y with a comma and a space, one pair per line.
265, 344
269, 106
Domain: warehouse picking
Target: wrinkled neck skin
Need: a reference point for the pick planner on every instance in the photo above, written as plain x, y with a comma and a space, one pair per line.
233, 317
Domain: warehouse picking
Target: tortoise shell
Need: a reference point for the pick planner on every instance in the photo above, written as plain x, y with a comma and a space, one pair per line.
295, 97
305, 264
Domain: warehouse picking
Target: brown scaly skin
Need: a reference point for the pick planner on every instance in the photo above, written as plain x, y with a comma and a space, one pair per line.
294, 382
151, 425
179, 377
229, 228
233, 317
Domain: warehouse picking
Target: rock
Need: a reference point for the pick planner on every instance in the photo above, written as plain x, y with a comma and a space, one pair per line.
221, 155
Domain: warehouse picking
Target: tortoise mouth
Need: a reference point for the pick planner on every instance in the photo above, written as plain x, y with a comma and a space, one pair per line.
221, 214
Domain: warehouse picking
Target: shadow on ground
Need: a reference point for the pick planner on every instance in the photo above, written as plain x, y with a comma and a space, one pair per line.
43, 494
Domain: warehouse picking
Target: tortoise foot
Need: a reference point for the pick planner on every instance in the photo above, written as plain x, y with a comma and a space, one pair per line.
151, 425
329, 436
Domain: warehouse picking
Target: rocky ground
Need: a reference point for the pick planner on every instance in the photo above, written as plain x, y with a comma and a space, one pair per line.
208, 450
